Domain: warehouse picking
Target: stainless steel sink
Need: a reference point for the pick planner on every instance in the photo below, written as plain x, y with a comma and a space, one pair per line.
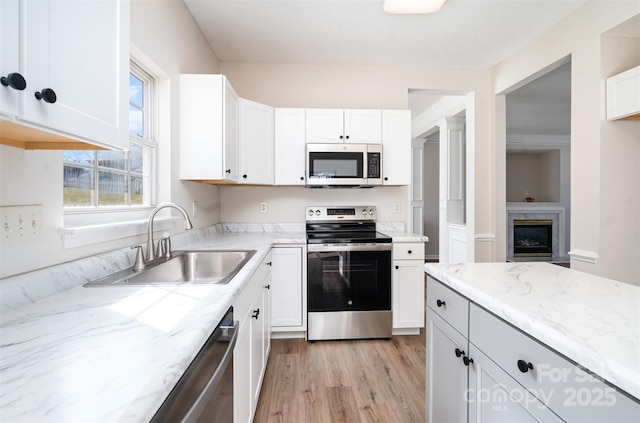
185, 267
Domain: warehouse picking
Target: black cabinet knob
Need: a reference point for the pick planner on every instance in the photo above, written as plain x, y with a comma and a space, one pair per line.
347, 137
466, 360
244, 176
440, 303
267, 286
15, 81
302, 178
386, 178
47, 95
255, 314
228, 171
524, 366
341, 137
268, 263
409, 251
397, 267
459, 352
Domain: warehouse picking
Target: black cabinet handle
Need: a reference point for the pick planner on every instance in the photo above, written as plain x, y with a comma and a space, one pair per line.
459, 352
524, 366
440, 303
268, 263
244, 176
267, 286
228, 171
466, 360
256, 313
15, 81
47, 95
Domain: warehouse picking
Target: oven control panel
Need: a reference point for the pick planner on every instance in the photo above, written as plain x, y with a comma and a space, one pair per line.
339, 213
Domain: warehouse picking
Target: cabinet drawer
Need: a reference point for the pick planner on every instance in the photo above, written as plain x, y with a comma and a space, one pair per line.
569, 391
408, 251
452, 307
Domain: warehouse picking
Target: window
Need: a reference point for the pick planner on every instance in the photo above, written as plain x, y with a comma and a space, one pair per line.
106, 179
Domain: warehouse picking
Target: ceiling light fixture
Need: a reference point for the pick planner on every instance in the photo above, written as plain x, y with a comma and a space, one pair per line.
412, 6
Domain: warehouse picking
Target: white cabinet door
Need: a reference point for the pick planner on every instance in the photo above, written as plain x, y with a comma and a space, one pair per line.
242, 405
623, 95
256, 143
231, 141
286, 287
495, 397
9, 57
446, 372
75, 60
355, 126
289, 146
408, 294
396, 147
324, 126
208, 128
362, 126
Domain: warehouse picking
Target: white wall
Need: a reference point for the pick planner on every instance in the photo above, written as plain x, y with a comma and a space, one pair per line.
165, 32
594, 173
431, 195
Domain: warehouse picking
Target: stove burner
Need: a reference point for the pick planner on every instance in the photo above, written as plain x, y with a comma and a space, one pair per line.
343, 225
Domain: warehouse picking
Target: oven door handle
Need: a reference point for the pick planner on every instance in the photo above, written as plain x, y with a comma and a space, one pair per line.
348, 247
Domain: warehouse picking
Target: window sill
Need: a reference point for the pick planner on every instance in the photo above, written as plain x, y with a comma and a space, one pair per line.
78, 236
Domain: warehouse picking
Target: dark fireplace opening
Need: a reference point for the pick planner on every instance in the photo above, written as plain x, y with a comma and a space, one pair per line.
532, 238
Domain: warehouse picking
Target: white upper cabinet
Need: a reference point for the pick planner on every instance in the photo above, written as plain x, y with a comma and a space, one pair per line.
209, 142
12, 80
74, 58
396, 147
289, 146
356, 126
256, 143
623, 95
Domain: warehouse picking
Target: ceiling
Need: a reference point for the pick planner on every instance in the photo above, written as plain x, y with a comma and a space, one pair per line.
473, 34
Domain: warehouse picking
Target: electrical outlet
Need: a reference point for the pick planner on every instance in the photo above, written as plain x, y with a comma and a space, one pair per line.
263, 206
396, 208
20, 225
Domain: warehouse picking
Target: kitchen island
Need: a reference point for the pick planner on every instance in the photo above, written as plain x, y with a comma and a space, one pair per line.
510, 311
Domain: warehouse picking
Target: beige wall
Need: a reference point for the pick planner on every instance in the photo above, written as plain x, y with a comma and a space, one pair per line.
535, 173
593, 172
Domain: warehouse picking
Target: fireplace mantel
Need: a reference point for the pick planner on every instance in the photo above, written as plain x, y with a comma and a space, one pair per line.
533, 211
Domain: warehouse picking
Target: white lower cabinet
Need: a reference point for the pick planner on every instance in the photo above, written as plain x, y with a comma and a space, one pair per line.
288, 289
447, 378
252, 309
407, 292
482, 369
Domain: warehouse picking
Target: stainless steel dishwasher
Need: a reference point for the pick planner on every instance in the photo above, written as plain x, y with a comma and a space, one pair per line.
205, 391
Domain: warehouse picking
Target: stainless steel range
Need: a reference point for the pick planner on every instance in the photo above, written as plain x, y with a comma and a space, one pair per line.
348, 274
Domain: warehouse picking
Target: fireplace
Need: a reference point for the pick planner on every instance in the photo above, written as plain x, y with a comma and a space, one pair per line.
532, 238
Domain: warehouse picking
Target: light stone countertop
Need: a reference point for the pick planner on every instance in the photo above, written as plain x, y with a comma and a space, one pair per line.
591, 320
109, 353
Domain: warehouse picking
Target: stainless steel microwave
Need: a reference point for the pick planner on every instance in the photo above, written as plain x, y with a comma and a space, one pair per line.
357, 165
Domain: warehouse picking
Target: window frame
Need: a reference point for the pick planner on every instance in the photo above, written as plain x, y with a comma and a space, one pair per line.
87, 224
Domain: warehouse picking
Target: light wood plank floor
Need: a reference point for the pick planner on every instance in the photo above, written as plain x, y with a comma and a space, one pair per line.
344, 381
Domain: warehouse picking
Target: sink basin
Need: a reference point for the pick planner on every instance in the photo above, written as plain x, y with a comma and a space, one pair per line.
185, 267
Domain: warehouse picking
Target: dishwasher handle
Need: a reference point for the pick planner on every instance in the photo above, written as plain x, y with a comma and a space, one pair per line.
200, 403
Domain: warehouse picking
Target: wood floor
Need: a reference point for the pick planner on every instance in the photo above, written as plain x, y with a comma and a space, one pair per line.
344, 381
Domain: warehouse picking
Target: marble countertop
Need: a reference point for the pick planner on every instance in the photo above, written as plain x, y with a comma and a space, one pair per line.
593, 321
109, 353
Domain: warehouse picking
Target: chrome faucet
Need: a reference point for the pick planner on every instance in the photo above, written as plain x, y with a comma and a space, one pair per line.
151, 250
